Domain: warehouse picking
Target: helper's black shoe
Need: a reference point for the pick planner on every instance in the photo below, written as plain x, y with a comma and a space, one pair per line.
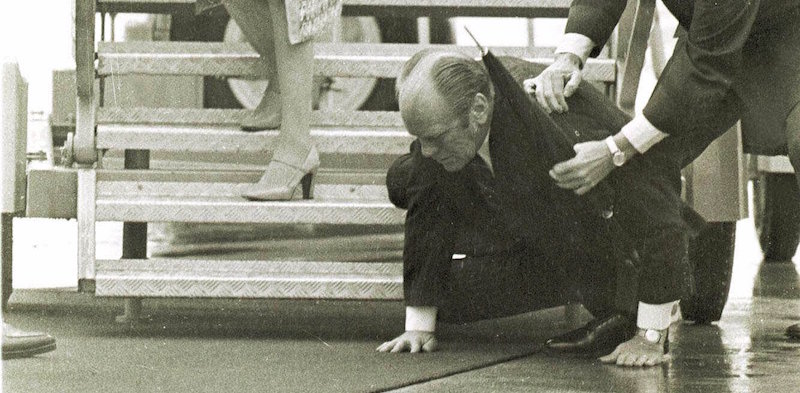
597, 338
793, 331
21, 344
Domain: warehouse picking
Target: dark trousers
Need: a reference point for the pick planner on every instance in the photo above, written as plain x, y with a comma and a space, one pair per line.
512, 277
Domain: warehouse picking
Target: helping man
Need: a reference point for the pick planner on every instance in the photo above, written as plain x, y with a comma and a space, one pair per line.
474, 185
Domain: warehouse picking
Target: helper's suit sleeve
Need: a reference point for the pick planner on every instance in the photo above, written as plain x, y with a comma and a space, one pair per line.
595, 19
697, 81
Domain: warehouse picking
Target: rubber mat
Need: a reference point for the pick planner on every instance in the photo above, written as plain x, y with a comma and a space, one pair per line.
218, 345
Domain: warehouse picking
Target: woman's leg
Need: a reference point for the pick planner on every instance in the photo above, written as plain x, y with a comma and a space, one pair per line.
253, 18
294, 159
295, 66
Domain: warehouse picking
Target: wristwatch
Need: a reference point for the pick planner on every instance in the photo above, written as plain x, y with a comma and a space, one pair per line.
654, 336
617, 155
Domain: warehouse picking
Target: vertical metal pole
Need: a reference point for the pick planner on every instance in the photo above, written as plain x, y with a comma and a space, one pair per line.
113, 26
6, 237
134, 237
102, 26
84, 146
424, 30
87, 217
531, 33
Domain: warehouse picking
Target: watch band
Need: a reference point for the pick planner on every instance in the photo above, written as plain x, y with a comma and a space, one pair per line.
617, 156
655, 336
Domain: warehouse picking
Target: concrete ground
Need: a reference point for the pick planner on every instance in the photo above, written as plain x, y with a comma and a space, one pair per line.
207, 345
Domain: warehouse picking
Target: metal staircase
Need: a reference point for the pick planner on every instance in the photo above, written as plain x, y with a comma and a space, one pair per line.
138, 195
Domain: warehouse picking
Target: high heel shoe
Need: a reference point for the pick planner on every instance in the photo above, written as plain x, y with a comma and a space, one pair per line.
285, 182
267, 116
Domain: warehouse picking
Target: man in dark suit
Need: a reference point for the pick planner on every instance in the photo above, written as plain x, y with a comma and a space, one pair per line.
739, 59
489, 234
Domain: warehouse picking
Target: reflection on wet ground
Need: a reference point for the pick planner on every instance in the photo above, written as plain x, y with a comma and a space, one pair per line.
745, 352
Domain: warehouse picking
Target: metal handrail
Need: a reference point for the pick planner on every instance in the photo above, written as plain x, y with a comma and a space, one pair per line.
83, 146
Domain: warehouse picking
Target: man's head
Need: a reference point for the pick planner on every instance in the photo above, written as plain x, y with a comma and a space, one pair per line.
446, 102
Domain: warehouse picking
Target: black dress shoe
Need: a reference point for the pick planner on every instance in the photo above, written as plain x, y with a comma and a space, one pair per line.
793, 331
599, 337
21, 344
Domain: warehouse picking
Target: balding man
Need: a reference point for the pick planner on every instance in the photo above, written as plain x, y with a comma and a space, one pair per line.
487, 236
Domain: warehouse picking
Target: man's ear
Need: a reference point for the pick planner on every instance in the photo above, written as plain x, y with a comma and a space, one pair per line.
481, 109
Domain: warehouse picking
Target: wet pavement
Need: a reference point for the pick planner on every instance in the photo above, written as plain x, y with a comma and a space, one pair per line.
228, 345
745, 352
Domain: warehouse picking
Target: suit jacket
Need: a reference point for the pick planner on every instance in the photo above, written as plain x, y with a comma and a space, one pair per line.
475, 213
739, 59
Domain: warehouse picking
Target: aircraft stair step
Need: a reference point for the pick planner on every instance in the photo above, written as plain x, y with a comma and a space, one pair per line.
378, 120
232, 140
142, 201
248, 279
407, 8
332, 59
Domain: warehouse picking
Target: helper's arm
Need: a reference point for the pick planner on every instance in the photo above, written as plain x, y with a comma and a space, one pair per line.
700, 74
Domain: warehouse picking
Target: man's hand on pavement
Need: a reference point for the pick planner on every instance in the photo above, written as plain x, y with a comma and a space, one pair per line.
591, 164
637, 352
556, 82
411, 341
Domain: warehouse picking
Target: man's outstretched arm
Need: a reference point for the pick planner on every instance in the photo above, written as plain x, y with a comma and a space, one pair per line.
429, 233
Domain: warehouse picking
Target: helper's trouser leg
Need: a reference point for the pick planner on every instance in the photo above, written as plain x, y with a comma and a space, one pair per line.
649, 208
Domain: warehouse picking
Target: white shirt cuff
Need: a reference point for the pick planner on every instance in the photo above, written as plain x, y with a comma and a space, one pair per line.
642, 134
655, 316
421, 319
577, 44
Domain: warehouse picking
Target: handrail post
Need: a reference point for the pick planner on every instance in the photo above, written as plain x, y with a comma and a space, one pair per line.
134, 238
84, 148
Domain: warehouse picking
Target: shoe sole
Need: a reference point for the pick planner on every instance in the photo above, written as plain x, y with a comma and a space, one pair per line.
28, 352
258, 128
576, 355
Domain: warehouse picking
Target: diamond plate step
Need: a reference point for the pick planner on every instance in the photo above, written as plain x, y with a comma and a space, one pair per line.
232, 140
234, 209
447, 8
248, 279
332, 59
377, 120
167, 196
349, 179
225, 189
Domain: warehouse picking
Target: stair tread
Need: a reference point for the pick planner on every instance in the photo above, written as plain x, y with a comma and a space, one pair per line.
233, 117
246, 279
332, 59
188, 176
233, 140
206, 267
233, 200
542, 8
234, 209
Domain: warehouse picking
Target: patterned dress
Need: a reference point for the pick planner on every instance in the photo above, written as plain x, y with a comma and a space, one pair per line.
307, 18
